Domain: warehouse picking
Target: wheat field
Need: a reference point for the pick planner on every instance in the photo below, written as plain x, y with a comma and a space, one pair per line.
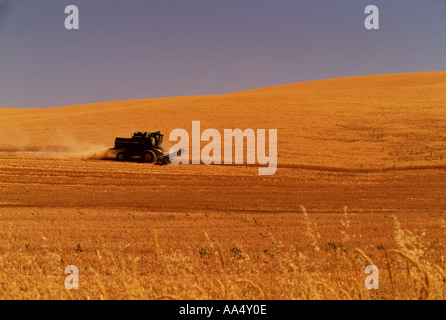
325, 262
361, 181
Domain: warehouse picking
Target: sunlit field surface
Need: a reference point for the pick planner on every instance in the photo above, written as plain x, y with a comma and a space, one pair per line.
361, 180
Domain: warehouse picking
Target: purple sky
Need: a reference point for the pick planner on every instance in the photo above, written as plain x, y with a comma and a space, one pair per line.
133, 49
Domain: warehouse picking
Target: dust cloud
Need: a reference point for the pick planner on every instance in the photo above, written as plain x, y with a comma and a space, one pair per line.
20, 141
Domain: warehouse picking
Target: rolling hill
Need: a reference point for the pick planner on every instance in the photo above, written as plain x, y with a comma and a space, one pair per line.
367, 122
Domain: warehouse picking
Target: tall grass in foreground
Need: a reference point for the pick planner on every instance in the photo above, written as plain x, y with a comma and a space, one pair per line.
222, 269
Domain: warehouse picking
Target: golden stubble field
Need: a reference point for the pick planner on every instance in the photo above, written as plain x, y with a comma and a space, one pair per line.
360, 181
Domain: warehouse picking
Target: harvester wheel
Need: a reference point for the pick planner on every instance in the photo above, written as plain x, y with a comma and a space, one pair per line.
120, 156
149, 156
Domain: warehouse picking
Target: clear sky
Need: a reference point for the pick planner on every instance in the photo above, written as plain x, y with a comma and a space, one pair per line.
133, 49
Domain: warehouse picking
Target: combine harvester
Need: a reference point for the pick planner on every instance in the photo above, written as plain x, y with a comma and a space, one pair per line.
144, 145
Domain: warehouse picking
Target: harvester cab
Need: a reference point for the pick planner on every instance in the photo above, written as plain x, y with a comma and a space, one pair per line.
156, 138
